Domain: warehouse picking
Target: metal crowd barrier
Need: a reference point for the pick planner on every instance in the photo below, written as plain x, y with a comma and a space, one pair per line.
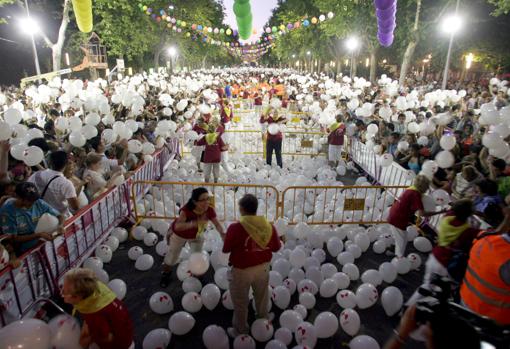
164, 199
364, 157
251, 142
41, 268
337, 205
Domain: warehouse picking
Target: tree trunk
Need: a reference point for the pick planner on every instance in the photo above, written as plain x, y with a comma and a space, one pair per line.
157, 55
354, 68
56, 48
373, 65
411, 46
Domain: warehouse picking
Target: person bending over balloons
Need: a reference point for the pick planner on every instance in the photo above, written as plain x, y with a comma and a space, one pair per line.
189, 227
251, 243
402, 213
106, 320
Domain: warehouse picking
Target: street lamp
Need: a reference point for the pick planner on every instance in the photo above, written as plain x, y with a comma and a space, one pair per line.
352, 45
30, 27
450, 25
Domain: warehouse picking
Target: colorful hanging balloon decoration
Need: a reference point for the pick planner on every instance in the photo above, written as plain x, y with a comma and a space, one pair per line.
386, 11
242, 10
83, 13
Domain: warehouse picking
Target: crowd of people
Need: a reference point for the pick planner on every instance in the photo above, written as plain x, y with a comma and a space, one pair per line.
92, 135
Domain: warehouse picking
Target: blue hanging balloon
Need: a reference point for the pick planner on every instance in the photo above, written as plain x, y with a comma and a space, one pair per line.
306, 23
199, 27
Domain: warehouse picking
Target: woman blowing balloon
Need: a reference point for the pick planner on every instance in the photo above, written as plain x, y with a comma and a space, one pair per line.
189, 227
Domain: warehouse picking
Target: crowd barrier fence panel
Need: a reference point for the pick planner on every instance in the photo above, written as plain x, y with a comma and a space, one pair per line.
337, 204
164, 199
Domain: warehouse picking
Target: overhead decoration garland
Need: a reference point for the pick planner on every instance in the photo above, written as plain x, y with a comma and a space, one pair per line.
386, 11
83, 13
242, 10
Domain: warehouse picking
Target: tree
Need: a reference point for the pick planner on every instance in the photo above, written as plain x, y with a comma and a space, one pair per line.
56, 47
411, 45
502, 7
3, 3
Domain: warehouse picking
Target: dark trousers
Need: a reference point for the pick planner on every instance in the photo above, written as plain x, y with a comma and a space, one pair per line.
275, 146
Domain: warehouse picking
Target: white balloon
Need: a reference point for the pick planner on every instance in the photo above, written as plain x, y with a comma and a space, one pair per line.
104, 252
441, 197
290, 319
139, 232
351, 270
135, 252
306, 335
447, 142
134, 146
422, 244
157, 338
334, 246
226, 300
415, 260
379, 246
283, 335
161, 303
93, 263
346, 299
25, 334
386, 160
210, 296
372, 276
214, 337
445, 159
47, 223
392, 300
144, 262
326, 324
33, 155
297, 258
363, 342
120, 233
220, 278
13, 116
281, 297
402, 265
118, 286
366, 296
273, 129
342, 280
191, 302
262, 330
181, 323
150, 239
77, 139
307, 299
274, 344
192, 284
113, 242
198, 263
350, 321
328, 288
388, 272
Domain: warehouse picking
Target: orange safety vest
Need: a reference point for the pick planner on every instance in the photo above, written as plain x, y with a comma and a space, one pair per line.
483, 290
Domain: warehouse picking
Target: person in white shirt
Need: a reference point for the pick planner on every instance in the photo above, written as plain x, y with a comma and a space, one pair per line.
96, 182
107, 165
55, 188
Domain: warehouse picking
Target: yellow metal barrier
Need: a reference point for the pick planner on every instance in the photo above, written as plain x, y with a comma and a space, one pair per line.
337, 205
250, 142
164, 199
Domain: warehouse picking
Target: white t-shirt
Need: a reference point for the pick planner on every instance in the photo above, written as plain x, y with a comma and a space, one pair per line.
96, 182
59, 190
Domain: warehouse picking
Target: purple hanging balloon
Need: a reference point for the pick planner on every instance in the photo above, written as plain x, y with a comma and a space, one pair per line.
387, 13
384, 4
388, 28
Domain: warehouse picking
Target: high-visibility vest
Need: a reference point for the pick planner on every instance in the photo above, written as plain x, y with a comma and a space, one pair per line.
483, 290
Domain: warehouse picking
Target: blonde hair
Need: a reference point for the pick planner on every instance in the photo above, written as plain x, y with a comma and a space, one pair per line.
421, 183
83, 280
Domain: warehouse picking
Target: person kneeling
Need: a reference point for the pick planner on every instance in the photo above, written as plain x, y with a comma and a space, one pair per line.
251, 243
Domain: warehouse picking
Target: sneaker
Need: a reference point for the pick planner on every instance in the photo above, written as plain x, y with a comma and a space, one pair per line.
165, 279
232, 333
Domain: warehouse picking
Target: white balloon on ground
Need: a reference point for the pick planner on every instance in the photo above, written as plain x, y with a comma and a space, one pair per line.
93, 263
388, 272
262, 330
104, 253
281, 297
306, 335
366, 296
350, 321
191, 284
275, 344
372, 276
328, 288
415, 260
181, 323
346, 299
144, 262
25, 334
161, 303
392, 300
290, 319
157, 339
307, 299
326, 324
120, 233
363, 342
135, 252
211, 296
191, 302
65, 332
283, 335
214, 337
422, 244
118, 287
244, 341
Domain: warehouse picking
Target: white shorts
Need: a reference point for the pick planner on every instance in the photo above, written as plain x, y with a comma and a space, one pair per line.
334, 152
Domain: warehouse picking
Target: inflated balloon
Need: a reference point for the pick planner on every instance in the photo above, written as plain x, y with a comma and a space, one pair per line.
328, 288
441, 197
306, 335
226, 300
273, 344
326, 324
346, 299
262, 330
104, 253
281, 297
392, 300
118, 287
366, 296
283, 335
25, 334
113, 242
388, 272
422, 244
181, 323
135, 252
93, 263
214, 337
192, 284
386, 160
379, 246
402, 265
198, 263
447, 142
351, 270
297, 258
350, 321
415, 260
307, 299
328, 270
47, 223
161, 303
183, 271
65, 332
345, 258
134, 146
120, 233
342, 280
13, 116
83, 14
191, 302
18, 150
33, 155
157, 339
139, 232
290, 285
282, 266
273, 129
210, 295
290, 319
144, 262
363, 342
150, 239
372, 276
445, 159
221, 279
77, 139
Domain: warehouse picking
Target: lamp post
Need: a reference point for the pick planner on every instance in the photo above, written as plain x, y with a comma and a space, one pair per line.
30, 27
172, 52
352, 45
451, 25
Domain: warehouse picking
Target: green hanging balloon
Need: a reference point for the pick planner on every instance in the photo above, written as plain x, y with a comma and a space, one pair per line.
242, 10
